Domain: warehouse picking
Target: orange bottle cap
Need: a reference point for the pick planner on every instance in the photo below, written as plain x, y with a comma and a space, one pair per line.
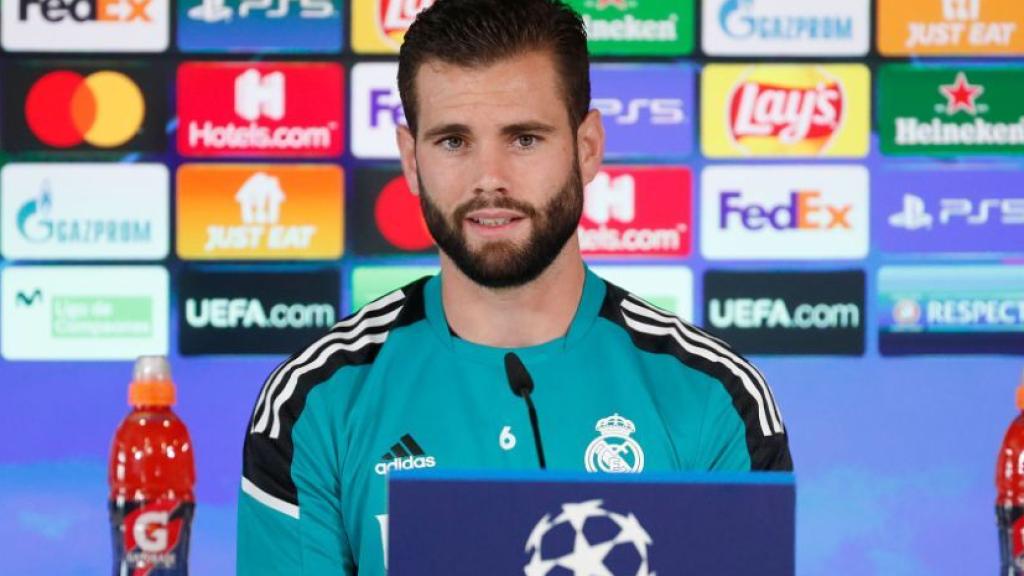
151, 385
151, 393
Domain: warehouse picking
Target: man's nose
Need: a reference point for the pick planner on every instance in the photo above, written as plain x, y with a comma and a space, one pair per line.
493, 166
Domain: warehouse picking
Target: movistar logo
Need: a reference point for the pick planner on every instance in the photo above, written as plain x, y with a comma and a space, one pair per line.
38, 225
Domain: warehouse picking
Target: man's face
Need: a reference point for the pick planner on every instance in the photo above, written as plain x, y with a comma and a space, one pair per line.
496, 166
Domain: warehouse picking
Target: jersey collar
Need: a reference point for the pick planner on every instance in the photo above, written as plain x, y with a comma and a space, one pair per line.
586, 312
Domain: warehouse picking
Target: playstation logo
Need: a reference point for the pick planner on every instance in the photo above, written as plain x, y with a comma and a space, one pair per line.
914, 216
210, 11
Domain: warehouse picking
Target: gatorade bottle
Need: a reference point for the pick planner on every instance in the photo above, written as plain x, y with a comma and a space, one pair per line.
151, 479
1010, 494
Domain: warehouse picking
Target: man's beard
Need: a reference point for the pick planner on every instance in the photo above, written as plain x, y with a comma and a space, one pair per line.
504, 264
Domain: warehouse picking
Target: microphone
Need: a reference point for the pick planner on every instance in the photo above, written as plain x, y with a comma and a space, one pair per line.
522, 385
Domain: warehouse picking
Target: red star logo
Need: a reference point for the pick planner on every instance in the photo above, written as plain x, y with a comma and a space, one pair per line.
961, 95
620, 4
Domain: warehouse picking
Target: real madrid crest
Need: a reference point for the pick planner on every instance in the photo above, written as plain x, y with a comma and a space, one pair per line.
614, 450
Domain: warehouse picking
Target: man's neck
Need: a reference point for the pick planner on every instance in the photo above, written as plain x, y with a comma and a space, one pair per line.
537, 312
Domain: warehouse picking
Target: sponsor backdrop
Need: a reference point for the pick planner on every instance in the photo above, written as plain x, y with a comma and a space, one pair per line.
834, 186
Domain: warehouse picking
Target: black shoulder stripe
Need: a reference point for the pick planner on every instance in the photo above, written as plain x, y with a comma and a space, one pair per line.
356, 340
656, 331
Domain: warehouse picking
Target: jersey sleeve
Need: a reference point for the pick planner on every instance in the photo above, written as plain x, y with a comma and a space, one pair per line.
730, 443
289, 515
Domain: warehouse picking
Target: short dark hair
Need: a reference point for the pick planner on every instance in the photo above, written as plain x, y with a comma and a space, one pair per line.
475, 33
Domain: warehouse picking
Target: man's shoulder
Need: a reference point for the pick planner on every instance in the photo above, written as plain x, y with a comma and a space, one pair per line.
354, 341
357, 338
656, 329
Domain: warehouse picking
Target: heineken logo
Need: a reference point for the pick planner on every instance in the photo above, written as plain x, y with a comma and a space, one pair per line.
961, 95
629, 28
637, 27
966, 111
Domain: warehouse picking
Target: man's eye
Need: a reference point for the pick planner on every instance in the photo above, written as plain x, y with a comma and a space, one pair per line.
452, 143
526, 140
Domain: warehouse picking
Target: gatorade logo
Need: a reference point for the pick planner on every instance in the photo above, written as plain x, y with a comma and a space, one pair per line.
399, 218
151, 534
105, 109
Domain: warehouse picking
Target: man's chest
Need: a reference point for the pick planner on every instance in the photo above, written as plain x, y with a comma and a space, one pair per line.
470, 420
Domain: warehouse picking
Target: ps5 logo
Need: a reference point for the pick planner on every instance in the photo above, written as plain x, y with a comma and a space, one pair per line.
658, 111
213, 11
915, 215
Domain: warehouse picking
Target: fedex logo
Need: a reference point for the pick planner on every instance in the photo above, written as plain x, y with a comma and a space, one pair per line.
85, 25
637, 211
376, 110
386, 108
86, 10
645, 109
784, 212
804, 210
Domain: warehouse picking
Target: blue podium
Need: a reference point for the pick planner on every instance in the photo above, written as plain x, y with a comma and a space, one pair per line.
569, 524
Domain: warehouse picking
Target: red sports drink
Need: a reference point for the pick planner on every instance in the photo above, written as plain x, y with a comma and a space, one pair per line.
1010, 494
151, 479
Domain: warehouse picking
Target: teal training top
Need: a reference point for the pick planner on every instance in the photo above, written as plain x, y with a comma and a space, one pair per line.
629, 388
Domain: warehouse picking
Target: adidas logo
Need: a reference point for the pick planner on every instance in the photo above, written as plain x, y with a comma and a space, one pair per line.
406, 454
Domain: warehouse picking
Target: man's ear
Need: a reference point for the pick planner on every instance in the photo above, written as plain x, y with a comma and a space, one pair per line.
590, 145
407, 150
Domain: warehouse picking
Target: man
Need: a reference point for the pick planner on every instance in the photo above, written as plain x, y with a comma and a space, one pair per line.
499, 144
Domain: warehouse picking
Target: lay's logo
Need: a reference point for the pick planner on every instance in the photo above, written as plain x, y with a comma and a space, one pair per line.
785, 110
378, 26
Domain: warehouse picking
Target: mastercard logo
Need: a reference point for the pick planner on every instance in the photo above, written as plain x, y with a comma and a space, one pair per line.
400, 219
104, 109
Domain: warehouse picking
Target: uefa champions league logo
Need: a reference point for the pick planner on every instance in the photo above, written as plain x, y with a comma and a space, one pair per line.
614, 450
587, 540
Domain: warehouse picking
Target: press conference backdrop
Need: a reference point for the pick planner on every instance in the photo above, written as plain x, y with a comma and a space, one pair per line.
835, 186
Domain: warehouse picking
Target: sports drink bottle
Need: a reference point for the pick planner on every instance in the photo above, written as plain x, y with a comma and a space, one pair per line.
1010, 494
151, 475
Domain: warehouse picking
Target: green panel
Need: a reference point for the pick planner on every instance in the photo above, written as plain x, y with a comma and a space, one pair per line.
102, 317
638, 27
372, 282
918, 112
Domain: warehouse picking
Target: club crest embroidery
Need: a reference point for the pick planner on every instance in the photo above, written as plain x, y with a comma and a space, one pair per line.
614, 450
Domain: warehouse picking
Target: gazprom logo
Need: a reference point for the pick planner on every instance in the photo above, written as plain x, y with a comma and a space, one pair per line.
741, 20
32, 218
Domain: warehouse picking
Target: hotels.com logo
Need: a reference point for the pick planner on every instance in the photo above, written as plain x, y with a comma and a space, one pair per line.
805, 110
637, 212
260, 109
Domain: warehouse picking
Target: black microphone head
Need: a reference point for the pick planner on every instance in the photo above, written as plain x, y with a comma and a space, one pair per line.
518, 378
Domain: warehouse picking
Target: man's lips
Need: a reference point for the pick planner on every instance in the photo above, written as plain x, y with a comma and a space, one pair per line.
494, 221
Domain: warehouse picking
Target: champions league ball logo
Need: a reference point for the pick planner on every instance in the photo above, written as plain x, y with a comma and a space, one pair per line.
614, 450
587, 540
